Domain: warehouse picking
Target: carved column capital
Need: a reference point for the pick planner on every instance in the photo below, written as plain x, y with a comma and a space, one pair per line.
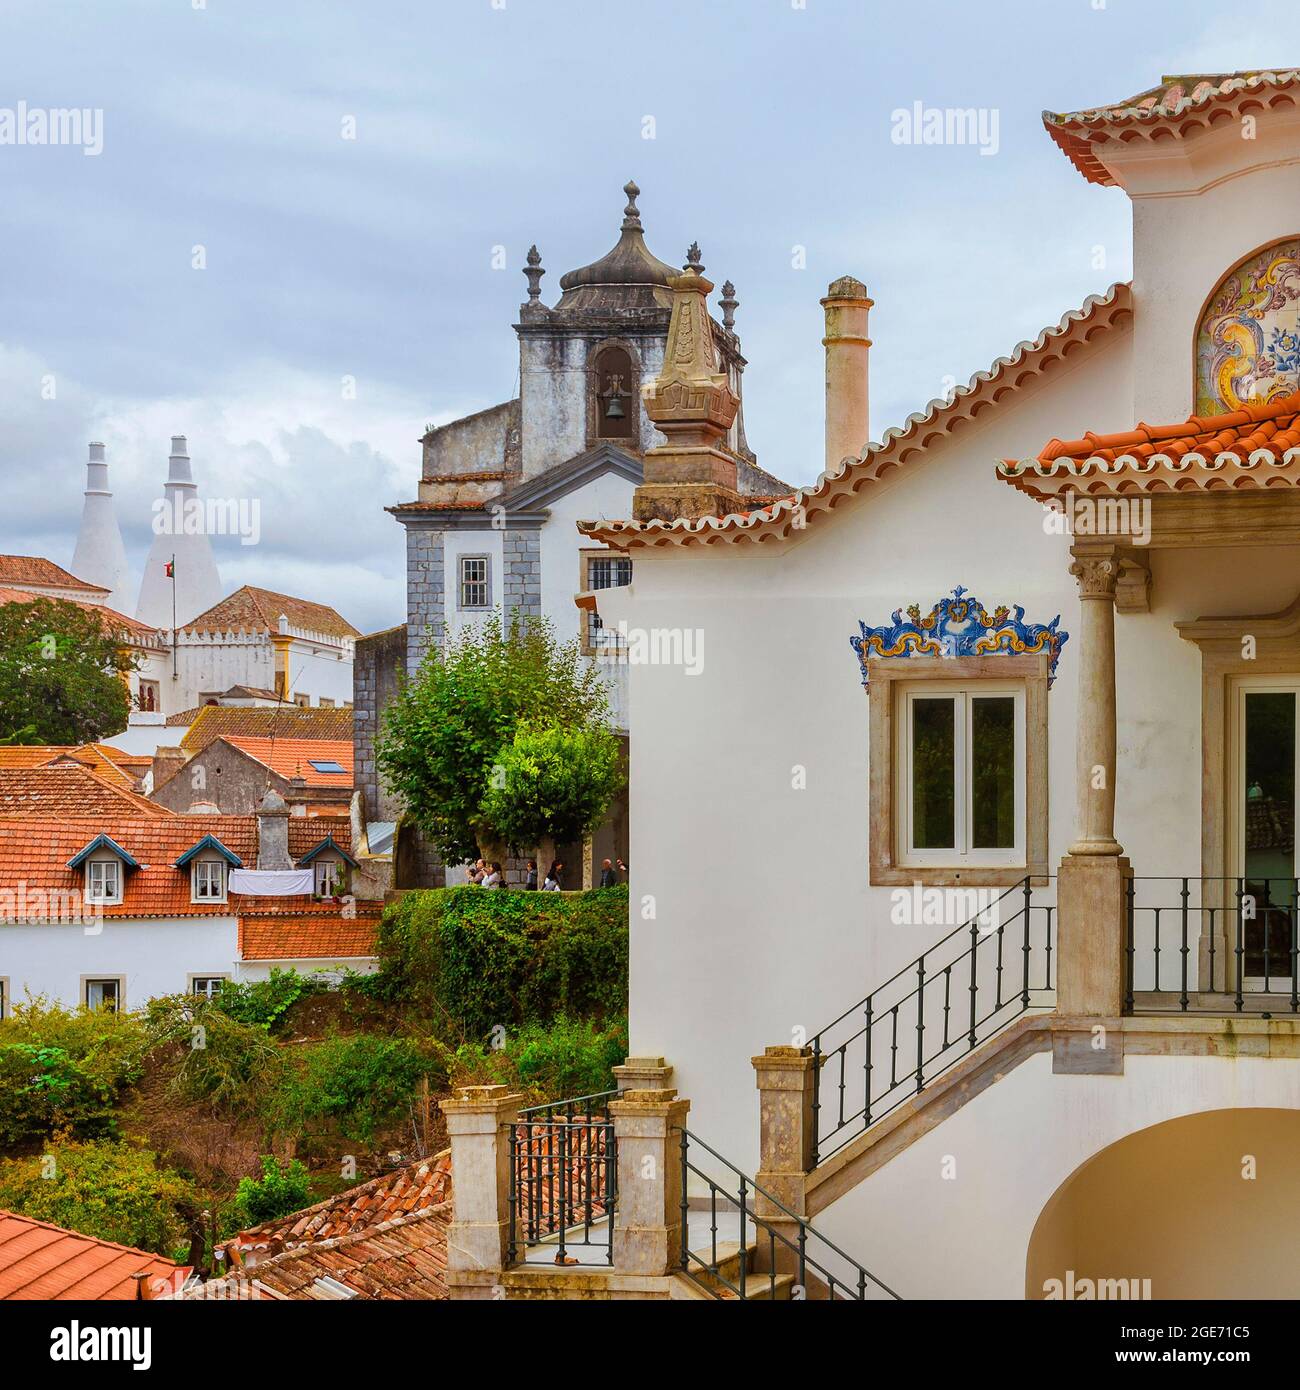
1097, 573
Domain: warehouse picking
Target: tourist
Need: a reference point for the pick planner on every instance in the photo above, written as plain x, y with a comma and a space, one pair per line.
608, 878
553, 877
530, 879
622, 866
494, 878
477, 873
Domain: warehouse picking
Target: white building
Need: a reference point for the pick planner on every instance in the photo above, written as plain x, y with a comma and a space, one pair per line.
905, 664
100, 556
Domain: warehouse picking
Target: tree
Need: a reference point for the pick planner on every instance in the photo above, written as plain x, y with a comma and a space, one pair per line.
279, 1191
61, 669
109, 1191
448, 743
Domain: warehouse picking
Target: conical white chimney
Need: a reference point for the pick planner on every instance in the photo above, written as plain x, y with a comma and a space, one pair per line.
100, 556
180, 533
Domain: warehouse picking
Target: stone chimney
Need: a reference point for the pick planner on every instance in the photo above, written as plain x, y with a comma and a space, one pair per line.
848, 423
273, 832
167, 762
692, 474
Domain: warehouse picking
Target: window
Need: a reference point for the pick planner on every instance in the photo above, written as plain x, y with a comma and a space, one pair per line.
326, 704
104, 881
207, 985
960, 760
475, 588
103, 994
327, 765
958, 770
149, 696
328, 876
603, 571
4, 997
208, 881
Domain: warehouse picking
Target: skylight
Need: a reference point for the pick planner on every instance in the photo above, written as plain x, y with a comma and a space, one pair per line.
326, 765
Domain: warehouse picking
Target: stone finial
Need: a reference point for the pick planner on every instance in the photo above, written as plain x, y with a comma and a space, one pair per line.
533, 270
631, 214
693, 254
728, 304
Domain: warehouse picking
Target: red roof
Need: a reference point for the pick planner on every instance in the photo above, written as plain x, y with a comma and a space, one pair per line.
279, 722
1184, 457
68, 789
40, 1261
293, 758
35, 569
114, 766
259, 610
35, 852
113, 621
317, 937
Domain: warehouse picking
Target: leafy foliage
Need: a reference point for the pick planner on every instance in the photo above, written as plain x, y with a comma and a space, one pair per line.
265, 1002
217, 1058
476, 960
447, 730
108, 1190
552, 782
60, 670
280, 1190
550, 1061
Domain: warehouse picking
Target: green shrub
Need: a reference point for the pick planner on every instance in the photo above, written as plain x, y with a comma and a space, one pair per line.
358, 1085
109, 1191
554, 1061
265, 1002
216, 1058
474, 960
279, 1191
64, 1069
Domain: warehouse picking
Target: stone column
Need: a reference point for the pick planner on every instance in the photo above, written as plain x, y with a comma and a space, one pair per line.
648, 1224
478, 1120
1091, 896
643, 1074
784, 1076
848, 420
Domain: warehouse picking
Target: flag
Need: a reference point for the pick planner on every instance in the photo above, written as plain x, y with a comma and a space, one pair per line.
169, 569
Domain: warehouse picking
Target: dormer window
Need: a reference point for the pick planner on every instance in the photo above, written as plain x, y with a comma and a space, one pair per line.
104, 881
329, 863
328, 875
208, 881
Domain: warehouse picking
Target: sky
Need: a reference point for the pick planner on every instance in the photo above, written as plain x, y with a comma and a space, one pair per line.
301, 241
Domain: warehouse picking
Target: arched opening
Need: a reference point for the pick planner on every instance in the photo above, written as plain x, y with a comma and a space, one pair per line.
1248, 336
1204, 1206
615, 400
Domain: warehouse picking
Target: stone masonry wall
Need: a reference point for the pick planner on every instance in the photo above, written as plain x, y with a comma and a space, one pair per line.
380, 659
426, 604
522, 589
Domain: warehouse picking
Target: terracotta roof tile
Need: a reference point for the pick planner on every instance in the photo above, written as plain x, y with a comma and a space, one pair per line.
68, 789
310, 938
293, 758
111, 764
40, 1261
115, 622
35, 569
259, 610
283, 722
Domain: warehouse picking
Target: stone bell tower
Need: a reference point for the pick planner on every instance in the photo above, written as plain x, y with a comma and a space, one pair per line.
693, 473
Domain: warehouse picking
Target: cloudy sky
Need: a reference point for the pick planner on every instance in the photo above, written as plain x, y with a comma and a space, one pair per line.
485, 124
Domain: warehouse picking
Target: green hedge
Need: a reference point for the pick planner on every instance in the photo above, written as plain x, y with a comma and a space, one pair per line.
478, 960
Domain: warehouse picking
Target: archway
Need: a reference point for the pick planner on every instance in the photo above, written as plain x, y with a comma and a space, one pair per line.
1203, 1206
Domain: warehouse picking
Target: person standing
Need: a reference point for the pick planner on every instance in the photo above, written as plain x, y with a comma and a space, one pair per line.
530, 879
608, 878
494, 878
554, 877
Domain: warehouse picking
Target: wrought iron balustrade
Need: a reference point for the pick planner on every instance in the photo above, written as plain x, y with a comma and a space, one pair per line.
721, 1268
564, 1178
1206, 945
957, 994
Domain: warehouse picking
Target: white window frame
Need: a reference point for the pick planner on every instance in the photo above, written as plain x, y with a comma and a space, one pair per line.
99, 880
119, 1004
462, 582
201, 869
592, 628
192, 980
960, 855
326, 867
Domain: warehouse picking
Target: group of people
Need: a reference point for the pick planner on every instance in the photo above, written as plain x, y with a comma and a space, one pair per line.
489, 874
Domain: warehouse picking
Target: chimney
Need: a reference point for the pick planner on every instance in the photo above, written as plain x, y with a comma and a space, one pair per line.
273, 832
848, 424
693, 473
167, 762
143, 1291
100, 557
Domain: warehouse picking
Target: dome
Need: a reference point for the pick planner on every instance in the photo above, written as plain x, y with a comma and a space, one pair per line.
628, 277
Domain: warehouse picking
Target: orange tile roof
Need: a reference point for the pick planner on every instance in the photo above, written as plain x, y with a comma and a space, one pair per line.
1078, 330
34, 852
35, 569
250, 721
68, 789
40, 1261
310, 938
292, 758
113, 621
1199, 454
111, 764
1178, 106
258, 610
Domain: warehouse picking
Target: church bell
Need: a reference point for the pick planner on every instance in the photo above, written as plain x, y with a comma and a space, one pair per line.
613, 409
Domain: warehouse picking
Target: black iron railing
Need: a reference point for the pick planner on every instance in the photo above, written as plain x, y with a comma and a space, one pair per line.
1203, 945
875, 1056
564, 1179
798, 1261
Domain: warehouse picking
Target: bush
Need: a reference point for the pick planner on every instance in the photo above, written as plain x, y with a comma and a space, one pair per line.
279, 1191
110, 1191
553, 1061
63, 1070
217, 1059
357, 1085
477, 960
265, 1002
